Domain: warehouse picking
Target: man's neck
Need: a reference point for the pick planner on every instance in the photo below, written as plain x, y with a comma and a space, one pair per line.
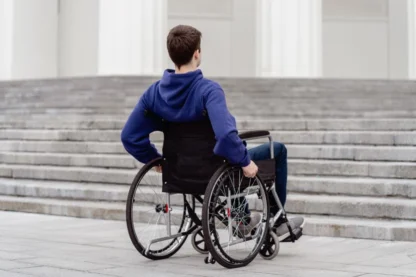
185, 69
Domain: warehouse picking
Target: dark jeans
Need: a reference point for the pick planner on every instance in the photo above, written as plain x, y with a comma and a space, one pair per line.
262, 152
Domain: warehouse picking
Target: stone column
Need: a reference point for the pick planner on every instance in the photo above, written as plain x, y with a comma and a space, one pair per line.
289, 42
28, 39
131, 37
6, 39
412, 38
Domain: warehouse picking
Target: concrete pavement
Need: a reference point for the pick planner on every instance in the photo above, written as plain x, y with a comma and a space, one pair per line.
51, 246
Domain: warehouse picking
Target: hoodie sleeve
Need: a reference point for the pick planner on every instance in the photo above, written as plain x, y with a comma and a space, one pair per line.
135, 134
229, 145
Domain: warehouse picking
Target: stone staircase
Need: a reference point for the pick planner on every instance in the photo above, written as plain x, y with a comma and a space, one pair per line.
351, 147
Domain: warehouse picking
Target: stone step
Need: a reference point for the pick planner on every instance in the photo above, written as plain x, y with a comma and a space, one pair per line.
338, 185
275, 113
65, 159
295, 166
379, 229
243, 123
64, 124
401, 111
63, 190
118, 192
84, 209
398, 230
62, 147
335, 114
315, 183
19, 116
264, 87
350, 103
100, 101
49, 113
353, 152
77, 83
287, 137
231, 85
236, 108
248, 89
131, 94
352, 206
346, 137
258, 111
335, 152
253, 102
70, 118
65, 135
145, 195
330, 103
72, 174
318, 89
362, 124
352, 168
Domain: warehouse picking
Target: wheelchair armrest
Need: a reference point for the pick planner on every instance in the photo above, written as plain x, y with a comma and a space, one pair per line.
254, 134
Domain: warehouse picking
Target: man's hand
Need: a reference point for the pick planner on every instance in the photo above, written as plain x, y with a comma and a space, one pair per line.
251, 170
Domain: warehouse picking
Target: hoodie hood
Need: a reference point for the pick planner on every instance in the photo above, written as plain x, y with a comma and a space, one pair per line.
174, 88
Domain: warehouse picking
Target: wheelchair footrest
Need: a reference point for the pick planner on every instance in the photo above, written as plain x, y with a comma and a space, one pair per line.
297, 233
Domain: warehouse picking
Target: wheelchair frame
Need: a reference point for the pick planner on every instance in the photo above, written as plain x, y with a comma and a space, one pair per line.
195, 222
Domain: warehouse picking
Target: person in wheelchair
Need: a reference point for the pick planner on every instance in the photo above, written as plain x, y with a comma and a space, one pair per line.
183, 95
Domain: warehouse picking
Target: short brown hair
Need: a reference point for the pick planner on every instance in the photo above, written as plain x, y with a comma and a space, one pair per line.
182, 42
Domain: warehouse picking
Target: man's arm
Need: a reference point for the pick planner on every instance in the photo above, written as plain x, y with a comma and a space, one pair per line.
229, 145
135, 134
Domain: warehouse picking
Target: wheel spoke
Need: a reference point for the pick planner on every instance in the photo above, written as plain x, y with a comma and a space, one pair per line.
150, 224
234, 245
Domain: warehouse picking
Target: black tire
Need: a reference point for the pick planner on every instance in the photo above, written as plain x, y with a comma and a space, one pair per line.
159, 254
219, 255
199, 243
271, 247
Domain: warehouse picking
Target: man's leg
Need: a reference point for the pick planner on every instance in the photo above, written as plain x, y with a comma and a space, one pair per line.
262, 152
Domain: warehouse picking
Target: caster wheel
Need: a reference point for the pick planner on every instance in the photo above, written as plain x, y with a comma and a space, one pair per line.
198, 241
207, 261
271, 246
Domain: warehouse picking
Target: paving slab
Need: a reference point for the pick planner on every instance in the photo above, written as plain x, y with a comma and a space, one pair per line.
13, 274
409, 266
46, 271
10, 265
65, 264
61, 246
394, 260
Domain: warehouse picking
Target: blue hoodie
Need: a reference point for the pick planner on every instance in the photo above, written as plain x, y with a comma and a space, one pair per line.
182, 98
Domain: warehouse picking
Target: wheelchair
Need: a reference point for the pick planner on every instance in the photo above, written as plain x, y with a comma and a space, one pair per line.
201, 195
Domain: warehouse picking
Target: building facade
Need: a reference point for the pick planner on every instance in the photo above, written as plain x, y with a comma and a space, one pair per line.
373, 39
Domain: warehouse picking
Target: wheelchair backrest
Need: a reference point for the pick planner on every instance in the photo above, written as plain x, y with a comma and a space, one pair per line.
189, 159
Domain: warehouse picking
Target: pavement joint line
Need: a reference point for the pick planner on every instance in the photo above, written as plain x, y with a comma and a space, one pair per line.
23, 274
62, 242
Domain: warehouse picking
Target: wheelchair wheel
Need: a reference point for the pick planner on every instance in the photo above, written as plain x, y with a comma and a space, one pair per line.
198, 241
155, 229
234, 241
271, 246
